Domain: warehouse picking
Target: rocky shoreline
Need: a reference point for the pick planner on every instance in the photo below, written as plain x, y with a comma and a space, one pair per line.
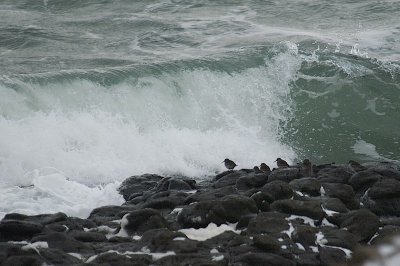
320, 215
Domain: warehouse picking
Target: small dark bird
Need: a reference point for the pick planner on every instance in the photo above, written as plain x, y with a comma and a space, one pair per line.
265, 168
306, 167
256, 170
229, 164
357, 167
281, 163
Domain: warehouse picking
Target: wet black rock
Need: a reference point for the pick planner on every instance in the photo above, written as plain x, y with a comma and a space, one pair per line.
285, 174
334, 174
303, 208
264, 259
277, 190
227, 209
18, 230
268, 223
274, 218
306, 185
343, 192
138, 184
140, 221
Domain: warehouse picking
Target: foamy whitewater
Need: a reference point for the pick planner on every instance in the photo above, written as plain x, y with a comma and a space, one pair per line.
91, 93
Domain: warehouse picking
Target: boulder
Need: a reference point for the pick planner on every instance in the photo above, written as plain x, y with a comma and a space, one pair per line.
269, 259
271, 223
285, 174
18, 230
361, 181
139, 221
303, 208
277, 190
334, 175
42, 219
362, 223
138, 184
339, 238
266, 243
308, 185
228, 209
343, 192
63, 242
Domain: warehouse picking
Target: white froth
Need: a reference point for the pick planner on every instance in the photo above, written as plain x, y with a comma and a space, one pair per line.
88, 135
210, 231
290, 231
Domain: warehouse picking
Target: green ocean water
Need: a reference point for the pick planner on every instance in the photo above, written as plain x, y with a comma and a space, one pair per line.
104, 89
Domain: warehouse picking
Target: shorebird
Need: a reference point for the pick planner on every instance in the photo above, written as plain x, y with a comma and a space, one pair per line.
306, 167
281, 163
357, 167
265, 168
256, 170
229, 164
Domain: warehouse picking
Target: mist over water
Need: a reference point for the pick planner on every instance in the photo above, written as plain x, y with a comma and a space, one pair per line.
94, 92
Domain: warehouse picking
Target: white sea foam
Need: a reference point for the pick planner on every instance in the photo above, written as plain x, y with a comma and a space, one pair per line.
73, 140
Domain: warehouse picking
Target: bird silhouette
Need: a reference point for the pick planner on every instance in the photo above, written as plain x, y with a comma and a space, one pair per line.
265, 168
281, 163
229, 164
356, 166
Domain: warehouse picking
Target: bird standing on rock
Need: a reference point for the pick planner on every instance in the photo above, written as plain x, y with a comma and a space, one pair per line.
356, 166
281, 163
306, 167
265, 168
229, 164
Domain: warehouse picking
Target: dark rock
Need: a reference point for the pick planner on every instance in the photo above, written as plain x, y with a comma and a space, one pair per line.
277, 190
385, 188
42, 219
383, 198
165, 200
115, 259
264, 259
105, 214
23, 261
220, 175
385, 234
229, 179
268, 223
87, 236
284, 174
343, 192
251, 181
228, 209
262, 200
334, 175
331, 256
57, 257
362, 223
308, 259
138, 184
305, 235
339, 238
364, 179
307, 185
142, 220
63, 242
390, 221
303, 208
170, 183
211, 194
266, 243
332, 204
18, 230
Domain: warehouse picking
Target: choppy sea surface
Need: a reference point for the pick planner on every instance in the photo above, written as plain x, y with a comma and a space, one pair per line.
92, 92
